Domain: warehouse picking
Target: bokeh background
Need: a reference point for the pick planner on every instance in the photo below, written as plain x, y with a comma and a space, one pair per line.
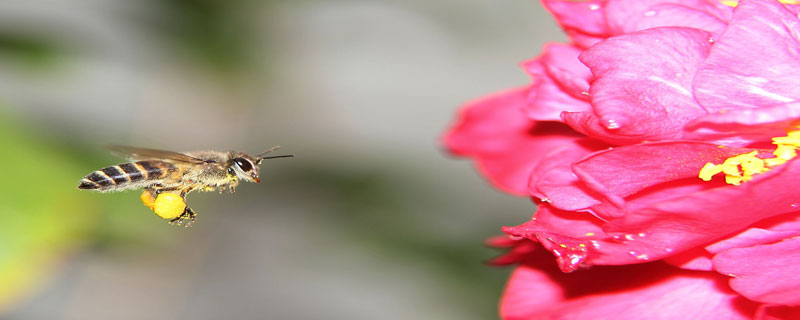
370, 220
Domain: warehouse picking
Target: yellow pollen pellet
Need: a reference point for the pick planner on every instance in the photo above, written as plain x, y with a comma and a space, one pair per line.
148, 199
169, 205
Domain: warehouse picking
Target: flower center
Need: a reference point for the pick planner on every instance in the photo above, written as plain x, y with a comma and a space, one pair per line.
741, 168
733, 3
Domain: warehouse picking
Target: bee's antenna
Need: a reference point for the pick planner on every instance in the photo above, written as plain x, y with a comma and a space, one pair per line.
273, 157
262, 157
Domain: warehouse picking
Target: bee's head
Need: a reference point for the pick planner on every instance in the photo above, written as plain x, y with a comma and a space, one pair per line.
245, 166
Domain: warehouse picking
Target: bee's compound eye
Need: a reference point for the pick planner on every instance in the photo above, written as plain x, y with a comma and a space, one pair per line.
243, 164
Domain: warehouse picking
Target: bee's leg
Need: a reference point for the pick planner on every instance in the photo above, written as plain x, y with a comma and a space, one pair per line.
188, 216
186, 219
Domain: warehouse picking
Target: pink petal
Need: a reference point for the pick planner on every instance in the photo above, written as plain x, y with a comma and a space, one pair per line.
751, 237
547, 100
520, 251
773, 312
584, 19
694, 259
554, 181
740, 127
654, 230
646, 165
755, 61
562, 64
625, 16
505, 143
649, 291
528, 291
696, 219
642, 86
569, 235
765, 273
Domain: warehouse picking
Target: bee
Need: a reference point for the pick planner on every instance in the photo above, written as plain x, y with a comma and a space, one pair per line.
167, 176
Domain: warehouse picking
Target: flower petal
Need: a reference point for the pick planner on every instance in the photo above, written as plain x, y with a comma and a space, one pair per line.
560, 83
755, 61
648, 291
527, 292
765, 273
547, 99
653, 230
625, 16
505, 143
631, 107
584, 21
646, 165
554, 181
568, 235
692, 220
740, 127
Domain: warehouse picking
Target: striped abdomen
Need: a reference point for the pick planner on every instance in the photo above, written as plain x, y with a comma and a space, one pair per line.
127, 175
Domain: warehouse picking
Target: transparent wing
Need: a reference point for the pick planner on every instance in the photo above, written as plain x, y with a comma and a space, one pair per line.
135, 153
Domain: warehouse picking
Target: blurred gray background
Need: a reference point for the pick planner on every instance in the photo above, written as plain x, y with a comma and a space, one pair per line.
370, 220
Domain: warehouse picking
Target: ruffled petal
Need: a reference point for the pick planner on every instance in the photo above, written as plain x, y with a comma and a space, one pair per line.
649, 291
547, 99
741, 127
584, 21
766, 273
554, 181
646, 165
505, 144
626, 16
631, 107
755, 61
657, 229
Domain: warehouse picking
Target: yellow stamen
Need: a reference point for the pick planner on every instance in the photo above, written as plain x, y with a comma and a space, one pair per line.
742, 168
734, 3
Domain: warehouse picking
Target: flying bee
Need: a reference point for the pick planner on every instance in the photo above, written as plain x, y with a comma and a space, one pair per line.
167, 177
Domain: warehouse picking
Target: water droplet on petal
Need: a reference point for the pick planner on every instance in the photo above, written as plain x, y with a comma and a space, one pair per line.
584, 93
515, 238
668, 250
612, 124
637, 255
546, 200
795, 205
650, 13
571, 260
594, 7
629, 237
642, 234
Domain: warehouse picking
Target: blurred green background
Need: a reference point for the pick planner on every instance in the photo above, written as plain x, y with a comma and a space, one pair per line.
370, 220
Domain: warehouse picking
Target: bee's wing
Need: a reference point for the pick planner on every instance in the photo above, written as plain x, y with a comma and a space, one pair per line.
135, 153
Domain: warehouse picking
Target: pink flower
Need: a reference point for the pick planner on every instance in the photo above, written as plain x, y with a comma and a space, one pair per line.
609, 140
